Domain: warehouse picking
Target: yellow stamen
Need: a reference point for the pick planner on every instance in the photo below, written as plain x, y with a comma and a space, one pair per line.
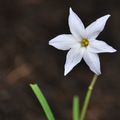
84, 42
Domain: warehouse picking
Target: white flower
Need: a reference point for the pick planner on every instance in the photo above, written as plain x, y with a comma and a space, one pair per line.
82, 43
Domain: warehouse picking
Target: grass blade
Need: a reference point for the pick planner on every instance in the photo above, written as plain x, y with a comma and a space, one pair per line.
75, 108
38, 93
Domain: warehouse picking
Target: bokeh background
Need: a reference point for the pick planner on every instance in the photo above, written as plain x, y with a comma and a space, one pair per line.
26, 26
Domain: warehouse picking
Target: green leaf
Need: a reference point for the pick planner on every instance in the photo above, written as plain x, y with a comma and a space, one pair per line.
75, 108
38, 93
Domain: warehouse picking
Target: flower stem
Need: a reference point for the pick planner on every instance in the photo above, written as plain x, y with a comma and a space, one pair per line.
87, 97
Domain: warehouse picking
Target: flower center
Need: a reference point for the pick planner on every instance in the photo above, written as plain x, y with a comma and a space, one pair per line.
84, 42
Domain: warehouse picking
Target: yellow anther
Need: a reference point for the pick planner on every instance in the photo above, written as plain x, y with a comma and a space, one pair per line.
84, 42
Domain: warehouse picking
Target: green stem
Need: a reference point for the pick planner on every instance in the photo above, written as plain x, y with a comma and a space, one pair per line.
87, 97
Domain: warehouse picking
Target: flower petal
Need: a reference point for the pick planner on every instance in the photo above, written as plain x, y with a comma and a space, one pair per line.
97, 46
96, 27
74, 56
76, 25
63, 42
92, 60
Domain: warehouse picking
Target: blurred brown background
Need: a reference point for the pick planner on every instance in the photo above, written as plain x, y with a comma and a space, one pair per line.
26, 26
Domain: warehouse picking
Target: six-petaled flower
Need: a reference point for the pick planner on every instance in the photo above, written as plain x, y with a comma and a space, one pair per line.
82, 43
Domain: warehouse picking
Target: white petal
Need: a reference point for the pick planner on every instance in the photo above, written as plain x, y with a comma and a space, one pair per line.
74, 56
96, 27
92, 60
97, 46
63, 42
76, 26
